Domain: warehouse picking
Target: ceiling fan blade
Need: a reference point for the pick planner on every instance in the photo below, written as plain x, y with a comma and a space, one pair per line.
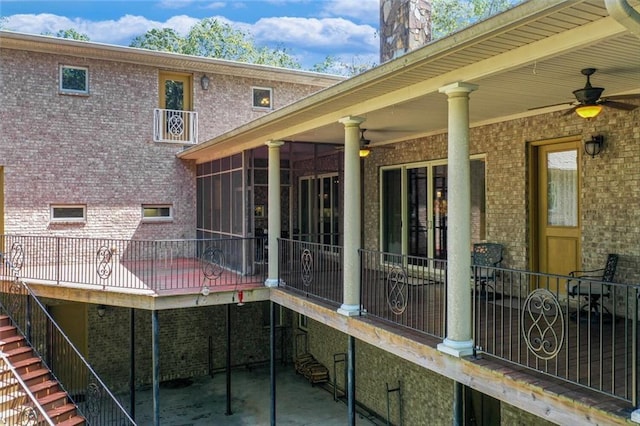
619, 105
618, 97
549, 106
571, 111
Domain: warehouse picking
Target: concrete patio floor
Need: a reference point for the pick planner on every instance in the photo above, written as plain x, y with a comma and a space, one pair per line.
203, 402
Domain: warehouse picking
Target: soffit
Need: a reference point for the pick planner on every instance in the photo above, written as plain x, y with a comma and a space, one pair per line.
524, 58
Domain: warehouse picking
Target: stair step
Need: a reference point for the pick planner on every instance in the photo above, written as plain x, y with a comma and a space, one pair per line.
36, 376
62, 413
4, 320
7, 331
12, 342
44, 388
53, 400
27, 365
73, 421
19, 353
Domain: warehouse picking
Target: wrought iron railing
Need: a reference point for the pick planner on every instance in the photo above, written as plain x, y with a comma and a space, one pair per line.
312, 269
83, 386
405, 290
157, 266
175, 126
17, 404
530, 319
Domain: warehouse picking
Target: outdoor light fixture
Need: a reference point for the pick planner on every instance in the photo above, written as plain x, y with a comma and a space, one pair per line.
101, 310
593, 146
589, 111
204, 82
364, 145
364, 152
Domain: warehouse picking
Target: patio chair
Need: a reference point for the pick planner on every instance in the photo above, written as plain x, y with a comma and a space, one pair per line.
587, 285
484, 258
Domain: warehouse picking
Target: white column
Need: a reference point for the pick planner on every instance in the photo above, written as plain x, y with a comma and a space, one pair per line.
274, 212
458, 341
352, 216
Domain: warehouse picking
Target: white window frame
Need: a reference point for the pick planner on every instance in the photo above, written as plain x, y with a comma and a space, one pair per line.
73, 91
253, 97
67, 219
158, 207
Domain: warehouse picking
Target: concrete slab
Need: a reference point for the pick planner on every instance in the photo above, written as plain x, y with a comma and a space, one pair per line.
203, 402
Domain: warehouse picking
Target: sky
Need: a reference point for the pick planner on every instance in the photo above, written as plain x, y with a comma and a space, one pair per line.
309, 30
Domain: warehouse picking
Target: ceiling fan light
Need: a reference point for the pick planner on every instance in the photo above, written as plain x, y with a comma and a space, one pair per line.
588, 111
364, 152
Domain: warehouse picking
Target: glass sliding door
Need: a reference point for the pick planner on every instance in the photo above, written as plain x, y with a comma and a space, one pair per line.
414, 208
320, 209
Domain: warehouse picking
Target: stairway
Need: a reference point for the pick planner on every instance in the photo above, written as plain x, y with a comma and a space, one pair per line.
36, 376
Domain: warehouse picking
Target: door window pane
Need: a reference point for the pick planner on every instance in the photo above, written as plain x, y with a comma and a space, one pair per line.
392, 211
562, 188
440, 212
418, 206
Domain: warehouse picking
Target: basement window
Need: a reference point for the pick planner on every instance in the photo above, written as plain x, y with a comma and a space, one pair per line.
262, 98
74, 80
68, 213
157, 213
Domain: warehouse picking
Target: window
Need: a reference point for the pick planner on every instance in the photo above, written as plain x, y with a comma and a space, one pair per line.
68, 213
74, 79
153, 213
261, 97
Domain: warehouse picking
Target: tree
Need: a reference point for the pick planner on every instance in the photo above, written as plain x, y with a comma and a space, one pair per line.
449, 16
69, 33
214, 39
165, 40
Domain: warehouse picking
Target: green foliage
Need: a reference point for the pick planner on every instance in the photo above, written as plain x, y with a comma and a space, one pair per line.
69, 33
165, 40
449, 16
214, 39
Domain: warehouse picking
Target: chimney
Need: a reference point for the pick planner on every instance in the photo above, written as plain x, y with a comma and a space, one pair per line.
404, 25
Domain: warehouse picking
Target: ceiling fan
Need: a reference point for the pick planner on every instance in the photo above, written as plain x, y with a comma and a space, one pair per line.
589, 103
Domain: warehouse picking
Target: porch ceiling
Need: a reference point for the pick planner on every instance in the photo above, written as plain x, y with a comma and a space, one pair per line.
525, 58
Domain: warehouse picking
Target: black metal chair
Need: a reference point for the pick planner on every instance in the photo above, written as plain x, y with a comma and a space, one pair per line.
484, 259
590, 285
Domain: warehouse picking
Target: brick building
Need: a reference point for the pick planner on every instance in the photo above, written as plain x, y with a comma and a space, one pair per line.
470, 139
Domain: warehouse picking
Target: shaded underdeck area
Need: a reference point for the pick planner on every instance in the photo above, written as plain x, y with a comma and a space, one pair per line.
201, 401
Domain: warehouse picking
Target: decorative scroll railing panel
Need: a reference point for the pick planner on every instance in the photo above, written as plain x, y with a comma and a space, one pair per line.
406, 290
311, 268
174, 126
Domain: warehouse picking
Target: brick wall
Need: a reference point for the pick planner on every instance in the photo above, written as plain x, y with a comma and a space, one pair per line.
97, 150
184, 339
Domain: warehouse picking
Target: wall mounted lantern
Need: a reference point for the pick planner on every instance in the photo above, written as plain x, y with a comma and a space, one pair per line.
204, 82
594, 145
101, 310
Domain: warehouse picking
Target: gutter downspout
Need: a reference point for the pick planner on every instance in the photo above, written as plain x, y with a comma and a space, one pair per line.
621, 11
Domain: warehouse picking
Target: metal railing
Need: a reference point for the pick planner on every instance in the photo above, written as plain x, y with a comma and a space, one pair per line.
160, 265
17, 404
175, 126
311, 268
76, 377
529, 319
406, 290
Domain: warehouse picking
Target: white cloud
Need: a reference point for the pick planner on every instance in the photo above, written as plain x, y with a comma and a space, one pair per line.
328, 33
363, 10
